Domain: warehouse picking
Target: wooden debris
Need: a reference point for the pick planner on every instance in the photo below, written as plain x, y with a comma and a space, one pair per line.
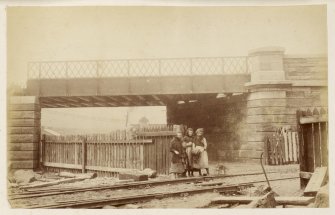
281, 200
124, 181
136, 176
81, 175
51, 183
317, 180
322, 197
109, 207
266, 201
305, 175
210, 184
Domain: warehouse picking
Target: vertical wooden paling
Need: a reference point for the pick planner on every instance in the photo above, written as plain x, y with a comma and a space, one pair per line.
320, 143
313, 146
83, 148
76, 154
294, 146
42, 150
141, 156
286, 160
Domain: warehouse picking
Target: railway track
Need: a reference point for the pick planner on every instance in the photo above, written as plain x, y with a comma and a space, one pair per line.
117, 201
33, 193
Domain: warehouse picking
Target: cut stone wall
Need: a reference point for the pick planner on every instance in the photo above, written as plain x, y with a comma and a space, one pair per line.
279, 87
305, 68
24, 124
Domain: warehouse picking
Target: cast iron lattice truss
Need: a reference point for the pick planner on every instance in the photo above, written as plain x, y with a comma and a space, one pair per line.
139, 67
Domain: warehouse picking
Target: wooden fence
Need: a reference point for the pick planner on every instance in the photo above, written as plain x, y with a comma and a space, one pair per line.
312, 124
108, 154
282, 147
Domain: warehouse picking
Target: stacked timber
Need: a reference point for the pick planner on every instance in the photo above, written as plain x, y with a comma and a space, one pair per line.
24, 114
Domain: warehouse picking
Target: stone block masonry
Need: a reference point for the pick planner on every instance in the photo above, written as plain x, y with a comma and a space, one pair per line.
279, 86
24, 125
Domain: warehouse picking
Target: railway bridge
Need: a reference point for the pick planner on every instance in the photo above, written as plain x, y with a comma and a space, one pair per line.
238, 100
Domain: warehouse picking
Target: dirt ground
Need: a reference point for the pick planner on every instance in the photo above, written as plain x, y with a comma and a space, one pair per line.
283, 188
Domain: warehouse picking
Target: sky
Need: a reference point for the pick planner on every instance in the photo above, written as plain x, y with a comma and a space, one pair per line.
111, 32
91, 33
99, 120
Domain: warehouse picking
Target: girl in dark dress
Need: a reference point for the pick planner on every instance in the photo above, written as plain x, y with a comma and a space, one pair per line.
178, 162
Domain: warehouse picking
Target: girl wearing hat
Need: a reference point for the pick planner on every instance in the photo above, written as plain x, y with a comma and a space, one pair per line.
200, 160
188, 144
178, 155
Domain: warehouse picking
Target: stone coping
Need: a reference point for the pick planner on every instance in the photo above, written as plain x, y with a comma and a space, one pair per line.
267, 50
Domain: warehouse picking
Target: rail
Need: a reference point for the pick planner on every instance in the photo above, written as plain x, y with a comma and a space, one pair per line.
138, 67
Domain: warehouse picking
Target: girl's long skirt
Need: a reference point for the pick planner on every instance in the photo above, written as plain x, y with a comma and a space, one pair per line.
177, 167
202, 162
189, 157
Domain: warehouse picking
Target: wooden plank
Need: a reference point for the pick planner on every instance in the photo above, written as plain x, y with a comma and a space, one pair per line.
317, 180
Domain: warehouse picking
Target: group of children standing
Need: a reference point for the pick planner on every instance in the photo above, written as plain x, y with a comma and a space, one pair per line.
189, 153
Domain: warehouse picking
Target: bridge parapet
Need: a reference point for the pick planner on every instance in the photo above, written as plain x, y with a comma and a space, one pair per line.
139, 67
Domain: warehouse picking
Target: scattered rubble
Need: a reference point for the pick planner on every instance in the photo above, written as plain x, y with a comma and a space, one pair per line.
109, 207
322, 197
130, 206
151, 173
81, 175
24, 176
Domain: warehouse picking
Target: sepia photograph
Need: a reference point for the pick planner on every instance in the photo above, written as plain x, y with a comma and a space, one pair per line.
166, 106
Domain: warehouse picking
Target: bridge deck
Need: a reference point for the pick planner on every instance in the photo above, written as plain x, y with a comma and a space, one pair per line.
122, 101
85, 82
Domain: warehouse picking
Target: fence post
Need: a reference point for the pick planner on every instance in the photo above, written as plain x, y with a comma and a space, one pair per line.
42, 154
84, 157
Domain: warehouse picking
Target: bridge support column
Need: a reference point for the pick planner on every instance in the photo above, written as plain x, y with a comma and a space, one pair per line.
266, 102
24, 128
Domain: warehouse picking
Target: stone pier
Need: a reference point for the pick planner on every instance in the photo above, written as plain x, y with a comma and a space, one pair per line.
24, 125
279, 86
